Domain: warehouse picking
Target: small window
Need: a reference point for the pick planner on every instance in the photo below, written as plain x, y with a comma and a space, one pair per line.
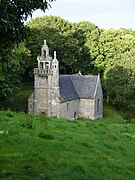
98, 105
47, 65
67, 106
44, 53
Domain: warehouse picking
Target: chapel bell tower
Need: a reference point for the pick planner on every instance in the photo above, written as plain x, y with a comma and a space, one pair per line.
46, 83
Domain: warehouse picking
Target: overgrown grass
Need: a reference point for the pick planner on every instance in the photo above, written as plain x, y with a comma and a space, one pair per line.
37, 147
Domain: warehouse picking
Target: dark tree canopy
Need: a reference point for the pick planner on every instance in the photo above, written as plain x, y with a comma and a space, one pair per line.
13, 14
119, 81
68, 39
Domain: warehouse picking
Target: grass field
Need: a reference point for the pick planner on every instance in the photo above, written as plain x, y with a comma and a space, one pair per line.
37, 147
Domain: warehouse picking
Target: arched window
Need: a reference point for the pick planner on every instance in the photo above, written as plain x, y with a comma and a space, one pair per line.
98, 105
67, 106
44, 53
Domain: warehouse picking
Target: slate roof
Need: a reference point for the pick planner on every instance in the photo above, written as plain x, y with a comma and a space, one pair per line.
77, 86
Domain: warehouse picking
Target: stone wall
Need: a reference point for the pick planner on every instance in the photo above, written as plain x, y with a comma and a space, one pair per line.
41, 94
80, 108
31, 104
98, 107
54, 101
86, 108
69, 109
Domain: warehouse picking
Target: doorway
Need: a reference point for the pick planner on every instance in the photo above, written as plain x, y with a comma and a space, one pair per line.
74, 115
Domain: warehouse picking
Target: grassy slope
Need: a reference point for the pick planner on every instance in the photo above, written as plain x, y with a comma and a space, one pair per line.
36, 147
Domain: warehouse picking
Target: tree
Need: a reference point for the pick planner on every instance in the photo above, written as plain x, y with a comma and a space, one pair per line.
68, 39
112, 43
119, 81
18, 62
59, 35
13, 61
88, 35
13, 14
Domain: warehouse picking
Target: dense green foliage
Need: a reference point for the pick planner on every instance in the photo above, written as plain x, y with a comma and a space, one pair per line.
68, 39
13, 15
12, 24
37, 147
112, 43
13, 30
16, 70
119, 81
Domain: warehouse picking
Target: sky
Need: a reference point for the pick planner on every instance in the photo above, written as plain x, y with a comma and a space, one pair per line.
103, 13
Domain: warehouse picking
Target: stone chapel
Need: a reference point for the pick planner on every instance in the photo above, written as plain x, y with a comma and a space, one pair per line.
64, 96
